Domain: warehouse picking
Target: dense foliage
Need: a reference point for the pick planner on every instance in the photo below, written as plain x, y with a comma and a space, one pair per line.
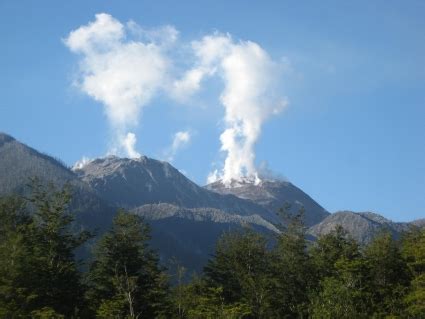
249, 276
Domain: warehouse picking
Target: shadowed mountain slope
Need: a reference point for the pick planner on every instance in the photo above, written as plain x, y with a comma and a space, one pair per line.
19, 163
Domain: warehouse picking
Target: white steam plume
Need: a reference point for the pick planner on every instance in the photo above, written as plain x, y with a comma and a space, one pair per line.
249, 97
81, 163
180, 140
124, 66
121, 73
129, 143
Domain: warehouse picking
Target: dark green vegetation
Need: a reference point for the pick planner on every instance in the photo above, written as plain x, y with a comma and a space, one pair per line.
247, 277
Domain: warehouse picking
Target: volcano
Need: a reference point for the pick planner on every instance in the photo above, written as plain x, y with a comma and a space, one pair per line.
273, 194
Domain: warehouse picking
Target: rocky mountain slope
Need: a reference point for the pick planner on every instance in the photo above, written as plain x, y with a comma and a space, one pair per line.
272, 195
19, 163
360, 226
165, 211
132, 183
419, 223
186, 219
193, 232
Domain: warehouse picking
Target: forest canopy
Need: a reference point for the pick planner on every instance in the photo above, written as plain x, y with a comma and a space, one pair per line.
248, 276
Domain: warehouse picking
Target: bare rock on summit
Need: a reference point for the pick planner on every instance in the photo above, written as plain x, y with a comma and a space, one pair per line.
273, 195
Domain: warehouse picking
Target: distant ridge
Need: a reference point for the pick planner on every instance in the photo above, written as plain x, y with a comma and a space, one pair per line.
363, 226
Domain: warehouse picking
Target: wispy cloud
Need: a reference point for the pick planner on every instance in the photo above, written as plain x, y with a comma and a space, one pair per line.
81, 163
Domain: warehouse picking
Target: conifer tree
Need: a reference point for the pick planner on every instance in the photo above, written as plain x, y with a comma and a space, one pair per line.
39, 273
291, 269
15, 296
126, 280
56, 280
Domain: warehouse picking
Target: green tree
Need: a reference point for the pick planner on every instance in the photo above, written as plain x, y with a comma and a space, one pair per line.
179, 293
240, 270
343, 275
37, 266
292, 270
389, 275
197, 300
125, 278
345, 294
413, 250
330, 248
15, 295
55, 277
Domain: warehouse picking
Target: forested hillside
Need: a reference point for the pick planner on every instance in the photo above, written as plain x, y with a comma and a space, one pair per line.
247, 277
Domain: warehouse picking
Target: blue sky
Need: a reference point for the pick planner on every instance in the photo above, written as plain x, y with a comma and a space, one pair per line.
352, 135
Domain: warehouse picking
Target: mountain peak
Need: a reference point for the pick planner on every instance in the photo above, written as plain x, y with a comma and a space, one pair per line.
273, 194
233, 183
113, 165
130, 182
246, 182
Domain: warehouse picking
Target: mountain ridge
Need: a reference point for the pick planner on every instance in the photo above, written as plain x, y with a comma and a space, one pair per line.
361, 226
132, 183
273, 194
186, 218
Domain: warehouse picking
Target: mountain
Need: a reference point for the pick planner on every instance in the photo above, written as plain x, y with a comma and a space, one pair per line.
131, 183
273, 195
363, 227
186, 219
19, 163
187, 227
165, 211
190, 234
418, 223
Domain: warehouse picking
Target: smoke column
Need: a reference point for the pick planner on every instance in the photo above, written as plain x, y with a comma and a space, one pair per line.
249, 98
124, 66
121, 73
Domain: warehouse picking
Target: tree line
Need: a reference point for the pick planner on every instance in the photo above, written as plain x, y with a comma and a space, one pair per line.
249, 275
